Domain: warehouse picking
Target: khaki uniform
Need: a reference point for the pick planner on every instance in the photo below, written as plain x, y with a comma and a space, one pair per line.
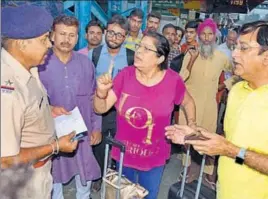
25, 120
202, 84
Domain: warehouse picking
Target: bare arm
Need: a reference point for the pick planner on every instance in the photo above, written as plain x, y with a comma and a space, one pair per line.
254, 160
188, 63
218, 145
27, 155
103, 104
189, 108
257, 161
34, 154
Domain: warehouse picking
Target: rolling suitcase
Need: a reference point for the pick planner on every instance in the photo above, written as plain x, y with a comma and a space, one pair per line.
115, 185
194, 190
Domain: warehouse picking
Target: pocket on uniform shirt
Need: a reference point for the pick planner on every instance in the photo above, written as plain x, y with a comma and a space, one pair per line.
44, 113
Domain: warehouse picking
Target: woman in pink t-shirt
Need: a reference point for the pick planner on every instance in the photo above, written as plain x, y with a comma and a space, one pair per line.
144, 96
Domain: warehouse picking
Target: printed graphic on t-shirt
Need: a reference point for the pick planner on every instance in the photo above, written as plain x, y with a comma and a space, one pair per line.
137, 116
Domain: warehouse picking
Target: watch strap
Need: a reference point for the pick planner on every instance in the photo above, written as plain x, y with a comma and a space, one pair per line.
241, 156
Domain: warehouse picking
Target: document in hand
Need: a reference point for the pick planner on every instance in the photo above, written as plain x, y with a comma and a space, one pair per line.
65, 124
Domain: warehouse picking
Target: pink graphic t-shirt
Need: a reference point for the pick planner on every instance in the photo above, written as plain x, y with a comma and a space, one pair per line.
142, 114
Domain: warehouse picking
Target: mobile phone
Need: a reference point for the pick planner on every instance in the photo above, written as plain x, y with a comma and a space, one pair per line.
78, 137
195, 136
192, 48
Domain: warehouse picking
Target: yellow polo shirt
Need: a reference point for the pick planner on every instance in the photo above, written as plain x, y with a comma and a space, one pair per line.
245, 125
130, 42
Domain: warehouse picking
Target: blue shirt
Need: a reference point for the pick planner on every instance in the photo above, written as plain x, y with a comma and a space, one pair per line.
120, 61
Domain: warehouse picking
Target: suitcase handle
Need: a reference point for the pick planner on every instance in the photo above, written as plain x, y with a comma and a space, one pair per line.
109, 140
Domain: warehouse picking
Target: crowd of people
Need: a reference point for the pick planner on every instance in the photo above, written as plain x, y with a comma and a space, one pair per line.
124, 85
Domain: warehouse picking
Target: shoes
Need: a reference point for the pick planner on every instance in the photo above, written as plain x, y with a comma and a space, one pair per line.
96, 186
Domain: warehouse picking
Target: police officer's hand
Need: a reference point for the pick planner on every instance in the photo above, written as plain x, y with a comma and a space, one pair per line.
66, 144
57, 111
105, 82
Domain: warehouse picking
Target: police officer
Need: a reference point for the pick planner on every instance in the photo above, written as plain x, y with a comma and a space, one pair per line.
27, 131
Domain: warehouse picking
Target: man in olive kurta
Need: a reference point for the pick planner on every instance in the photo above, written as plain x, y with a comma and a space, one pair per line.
201, 70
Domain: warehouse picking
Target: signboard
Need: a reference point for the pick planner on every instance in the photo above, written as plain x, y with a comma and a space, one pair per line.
192, 5
237, 2
191, 15
174, 11
173, 7
167, 4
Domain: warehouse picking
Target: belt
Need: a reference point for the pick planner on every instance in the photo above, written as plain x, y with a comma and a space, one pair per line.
41, 163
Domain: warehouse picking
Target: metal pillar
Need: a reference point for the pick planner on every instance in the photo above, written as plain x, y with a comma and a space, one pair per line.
83, 11
83, 14
144, 7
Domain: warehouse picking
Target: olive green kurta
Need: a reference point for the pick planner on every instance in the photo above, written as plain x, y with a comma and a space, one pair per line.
202, 84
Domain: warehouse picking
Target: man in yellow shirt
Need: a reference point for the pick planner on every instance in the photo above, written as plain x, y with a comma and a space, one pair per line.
135, 34
243, 164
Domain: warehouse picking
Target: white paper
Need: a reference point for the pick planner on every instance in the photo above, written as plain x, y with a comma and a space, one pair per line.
65, 124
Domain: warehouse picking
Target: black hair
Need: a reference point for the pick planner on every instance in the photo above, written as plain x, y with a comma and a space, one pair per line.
66, 20
154, 15
137, 12
199, 21
94, 23
162, 47
180, 29
120, 20
169, 25
262, 34
192, 24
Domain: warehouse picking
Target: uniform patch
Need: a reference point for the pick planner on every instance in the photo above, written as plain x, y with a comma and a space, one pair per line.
7, 88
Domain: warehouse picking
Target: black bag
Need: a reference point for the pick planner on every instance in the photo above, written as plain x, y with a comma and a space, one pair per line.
181, 190
176, 63
97, 51
189, 191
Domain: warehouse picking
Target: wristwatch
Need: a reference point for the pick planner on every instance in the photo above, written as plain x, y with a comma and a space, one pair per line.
240, 158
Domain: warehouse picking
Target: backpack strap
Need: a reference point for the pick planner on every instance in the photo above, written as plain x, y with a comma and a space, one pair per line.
96, 55
130, 56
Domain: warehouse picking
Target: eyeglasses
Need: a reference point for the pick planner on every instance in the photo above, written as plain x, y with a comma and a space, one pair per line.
111, 33
146, 49
243, 48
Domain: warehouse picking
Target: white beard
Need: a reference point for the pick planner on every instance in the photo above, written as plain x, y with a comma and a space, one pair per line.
207, 50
